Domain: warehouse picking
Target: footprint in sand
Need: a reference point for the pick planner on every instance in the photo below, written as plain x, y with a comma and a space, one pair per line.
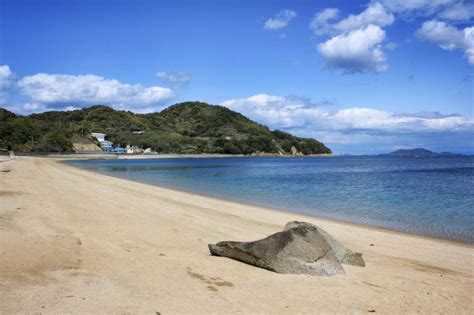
212, 282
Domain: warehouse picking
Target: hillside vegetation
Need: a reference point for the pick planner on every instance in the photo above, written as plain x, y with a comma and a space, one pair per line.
191, 127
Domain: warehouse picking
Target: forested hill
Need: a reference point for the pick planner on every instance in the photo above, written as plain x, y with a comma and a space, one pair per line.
191, 127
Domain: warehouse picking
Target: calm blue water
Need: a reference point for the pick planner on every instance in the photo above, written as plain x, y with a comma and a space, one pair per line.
428, 196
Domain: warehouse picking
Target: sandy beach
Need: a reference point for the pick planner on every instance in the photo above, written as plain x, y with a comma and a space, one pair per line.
73, 241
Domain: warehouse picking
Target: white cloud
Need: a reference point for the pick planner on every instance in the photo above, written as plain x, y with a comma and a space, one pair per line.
421, 6
279, 111
303, 114
391, 45
356, 51
53, 90
460, 11
356, 42
32, 107
281, 20
449, 37
6, 76
177, 79
320, 22
446, 36
356, 129
374, 119
375, 14
6, 81
469, 39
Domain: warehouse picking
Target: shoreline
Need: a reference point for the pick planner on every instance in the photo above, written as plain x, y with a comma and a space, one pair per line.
288, 212
78, 241
125, 156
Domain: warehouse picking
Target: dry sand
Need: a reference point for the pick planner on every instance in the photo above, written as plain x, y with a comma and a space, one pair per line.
73, 241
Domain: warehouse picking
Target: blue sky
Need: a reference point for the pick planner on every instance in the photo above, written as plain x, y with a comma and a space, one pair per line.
362, 76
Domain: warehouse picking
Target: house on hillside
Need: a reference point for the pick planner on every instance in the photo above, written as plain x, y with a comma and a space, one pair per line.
105, 145
99, 136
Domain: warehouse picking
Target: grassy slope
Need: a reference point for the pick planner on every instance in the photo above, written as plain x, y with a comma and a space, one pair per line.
190, 127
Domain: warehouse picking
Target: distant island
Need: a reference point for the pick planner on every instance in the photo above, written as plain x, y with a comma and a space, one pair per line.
418, 152
190, 127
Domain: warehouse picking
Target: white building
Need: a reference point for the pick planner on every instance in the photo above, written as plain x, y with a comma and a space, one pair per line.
106, 145
99, 136
134, 150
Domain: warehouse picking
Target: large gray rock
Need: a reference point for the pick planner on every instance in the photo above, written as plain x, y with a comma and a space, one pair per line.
301, 248
344, 255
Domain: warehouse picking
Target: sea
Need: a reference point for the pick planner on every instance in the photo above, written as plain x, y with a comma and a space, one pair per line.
426, 196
